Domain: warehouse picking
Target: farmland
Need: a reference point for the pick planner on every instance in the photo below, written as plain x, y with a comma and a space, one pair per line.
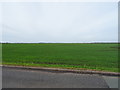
95, 56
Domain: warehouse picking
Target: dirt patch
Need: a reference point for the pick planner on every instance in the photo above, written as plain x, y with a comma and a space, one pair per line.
117, 47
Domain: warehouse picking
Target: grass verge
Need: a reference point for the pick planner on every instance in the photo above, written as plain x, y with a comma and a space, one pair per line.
103, 57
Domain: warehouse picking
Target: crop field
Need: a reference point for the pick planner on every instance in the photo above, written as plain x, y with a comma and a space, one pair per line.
93, 56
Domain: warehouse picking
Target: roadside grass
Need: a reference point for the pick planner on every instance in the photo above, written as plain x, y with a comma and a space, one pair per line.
103, 57
0, 53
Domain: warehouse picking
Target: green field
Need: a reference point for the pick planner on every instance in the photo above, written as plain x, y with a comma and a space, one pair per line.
63, 55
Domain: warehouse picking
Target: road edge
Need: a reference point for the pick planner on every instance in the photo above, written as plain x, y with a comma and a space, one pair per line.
63, 70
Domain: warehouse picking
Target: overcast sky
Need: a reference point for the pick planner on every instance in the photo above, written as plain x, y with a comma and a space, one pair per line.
59, 22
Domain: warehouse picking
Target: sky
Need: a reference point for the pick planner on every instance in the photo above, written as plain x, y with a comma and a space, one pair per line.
67, 22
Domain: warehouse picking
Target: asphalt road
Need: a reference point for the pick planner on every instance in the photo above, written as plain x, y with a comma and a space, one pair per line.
19, 78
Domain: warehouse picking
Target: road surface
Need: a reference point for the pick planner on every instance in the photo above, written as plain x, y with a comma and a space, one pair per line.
19, 78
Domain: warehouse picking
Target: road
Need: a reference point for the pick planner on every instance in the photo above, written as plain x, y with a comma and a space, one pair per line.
19, 78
